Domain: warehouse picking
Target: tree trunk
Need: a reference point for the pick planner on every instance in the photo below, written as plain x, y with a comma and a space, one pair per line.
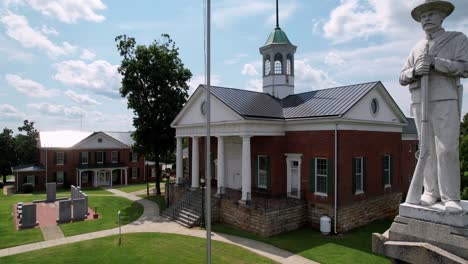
4, 179
158, 173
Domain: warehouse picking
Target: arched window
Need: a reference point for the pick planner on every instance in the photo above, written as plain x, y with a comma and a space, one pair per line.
267, 65
289, 69
278, 64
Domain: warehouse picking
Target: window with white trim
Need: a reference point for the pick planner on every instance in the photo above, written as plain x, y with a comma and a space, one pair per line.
60, 177
134, 173
387, 170
262, 175
115, 156
60, 158
99, 157
359, 174
31, 179
267, 67
321, 176
84, 157
134, 157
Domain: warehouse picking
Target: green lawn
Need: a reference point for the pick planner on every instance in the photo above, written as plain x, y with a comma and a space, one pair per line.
353, 247
137, 187
139, 248
159, 199
65, 192
9, 237
107, 207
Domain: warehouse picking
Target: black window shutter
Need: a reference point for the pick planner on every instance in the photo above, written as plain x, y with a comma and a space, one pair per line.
80, 158
36, 180
130, 156
364, 173
384, 176
353, 175
64, 157
64, 176
256, 171
312, 175
103, 157
118, 156
268, 163
138, 172
391, 170
55, 157
330, 176
95, 157
55, 176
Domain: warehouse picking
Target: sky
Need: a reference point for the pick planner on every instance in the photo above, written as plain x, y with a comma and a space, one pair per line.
58, 58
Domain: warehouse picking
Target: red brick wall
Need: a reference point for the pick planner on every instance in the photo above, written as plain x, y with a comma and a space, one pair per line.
408, 162
72, 162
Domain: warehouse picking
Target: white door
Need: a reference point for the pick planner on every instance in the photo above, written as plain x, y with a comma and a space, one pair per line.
103, 179
294, 175
233, 162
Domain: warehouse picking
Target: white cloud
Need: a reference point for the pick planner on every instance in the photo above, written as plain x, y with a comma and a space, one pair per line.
9, 112
73, 112
236, 59
68, 11
361, 19
99, 76
17, 28
309, 78
29, 87
195, 81
87, 55
228, 12
333, 59
82, 99
49, 30
255, 85
249, 69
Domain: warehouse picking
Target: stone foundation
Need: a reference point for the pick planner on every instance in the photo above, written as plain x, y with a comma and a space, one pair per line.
271, 222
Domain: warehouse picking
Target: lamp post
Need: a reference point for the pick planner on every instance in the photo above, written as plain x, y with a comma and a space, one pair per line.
120, 229
202, 186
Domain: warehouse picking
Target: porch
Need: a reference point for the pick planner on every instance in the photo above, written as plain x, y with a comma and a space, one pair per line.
102, 176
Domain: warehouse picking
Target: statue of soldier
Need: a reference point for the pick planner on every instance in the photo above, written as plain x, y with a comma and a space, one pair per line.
445, 62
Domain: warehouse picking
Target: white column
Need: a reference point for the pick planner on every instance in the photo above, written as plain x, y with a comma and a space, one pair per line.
126, 177
79, 180
110, 178
246, 170
195, 163
95, 178
179, 161
220, 167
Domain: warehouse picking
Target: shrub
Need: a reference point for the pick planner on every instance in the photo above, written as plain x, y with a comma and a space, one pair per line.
28, 188
1, 185
464, 194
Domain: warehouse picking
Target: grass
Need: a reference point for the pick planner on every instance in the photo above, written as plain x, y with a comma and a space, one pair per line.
65, 192
137, 187
139, 248
10, 237
107, 207
159, 199
352, 247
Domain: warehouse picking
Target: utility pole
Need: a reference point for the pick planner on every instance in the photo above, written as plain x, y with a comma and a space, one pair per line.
208, 133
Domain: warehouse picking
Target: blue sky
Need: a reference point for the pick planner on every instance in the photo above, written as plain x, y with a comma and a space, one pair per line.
58, 58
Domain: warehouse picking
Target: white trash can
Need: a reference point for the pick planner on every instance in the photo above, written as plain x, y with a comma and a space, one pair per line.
325, 225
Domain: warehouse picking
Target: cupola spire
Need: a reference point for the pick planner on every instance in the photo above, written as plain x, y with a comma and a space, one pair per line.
277, 14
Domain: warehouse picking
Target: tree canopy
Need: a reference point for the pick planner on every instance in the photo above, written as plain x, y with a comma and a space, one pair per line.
8, 157
154, 80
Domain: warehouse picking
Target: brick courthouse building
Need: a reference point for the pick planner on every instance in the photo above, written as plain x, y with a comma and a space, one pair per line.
83, 159
282, 160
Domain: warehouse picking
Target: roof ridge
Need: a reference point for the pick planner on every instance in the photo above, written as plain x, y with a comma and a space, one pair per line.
238, 89
337, 87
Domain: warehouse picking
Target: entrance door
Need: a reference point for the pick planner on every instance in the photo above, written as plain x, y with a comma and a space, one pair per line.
233, 162
103, 179
294, 175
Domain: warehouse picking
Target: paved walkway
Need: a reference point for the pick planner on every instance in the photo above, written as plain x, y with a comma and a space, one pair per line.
150, 221
51, 232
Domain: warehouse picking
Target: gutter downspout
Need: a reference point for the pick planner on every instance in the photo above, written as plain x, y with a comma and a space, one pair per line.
46, 166
336, 177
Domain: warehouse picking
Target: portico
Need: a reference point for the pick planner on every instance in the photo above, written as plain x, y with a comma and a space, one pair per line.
102, 176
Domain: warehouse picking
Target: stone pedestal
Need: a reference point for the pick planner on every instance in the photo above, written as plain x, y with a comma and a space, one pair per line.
51, 188
28, 218
425, 235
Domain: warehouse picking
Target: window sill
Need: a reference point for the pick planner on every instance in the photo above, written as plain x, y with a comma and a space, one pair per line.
321, 194
59, 164
387, 186
359, 192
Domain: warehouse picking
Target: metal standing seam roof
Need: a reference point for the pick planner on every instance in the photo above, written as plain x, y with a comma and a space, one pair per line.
320, 103
277, 36
411, 127
69, 138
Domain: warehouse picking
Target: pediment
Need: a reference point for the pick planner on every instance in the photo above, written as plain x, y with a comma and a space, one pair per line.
100, 140
192, 114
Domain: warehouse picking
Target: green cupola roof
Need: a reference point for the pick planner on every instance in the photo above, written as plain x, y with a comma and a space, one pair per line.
277, 36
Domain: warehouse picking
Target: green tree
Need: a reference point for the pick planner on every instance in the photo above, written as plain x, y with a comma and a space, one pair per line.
464, 125
26, 148
155, 84
7, 157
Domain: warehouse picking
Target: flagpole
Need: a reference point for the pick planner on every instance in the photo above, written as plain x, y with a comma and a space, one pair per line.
208, 133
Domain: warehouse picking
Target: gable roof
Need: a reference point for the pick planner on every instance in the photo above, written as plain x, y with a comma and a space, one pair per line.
331, 102
70, 138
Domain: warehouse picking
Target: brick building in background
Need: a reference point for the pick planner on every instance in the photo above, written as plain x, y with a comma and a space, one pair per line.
83, 159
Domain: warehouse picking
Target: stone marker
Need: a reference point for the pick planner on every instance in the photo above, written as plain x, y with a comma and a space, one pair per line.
51, 192
64, 211
79, 209
28, 216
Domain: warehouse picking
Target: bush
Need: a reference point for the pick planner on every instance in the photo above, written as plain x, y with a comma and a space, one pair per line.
1, 185
464, 194
28, 188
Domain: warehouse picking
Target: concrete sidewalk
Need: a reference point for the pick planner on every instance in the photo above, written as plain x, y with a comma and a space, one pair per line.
151, 222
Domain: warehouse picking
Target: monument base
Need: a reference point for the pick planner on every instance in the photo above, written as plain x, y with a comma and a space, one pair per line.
416, 241
436, 214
